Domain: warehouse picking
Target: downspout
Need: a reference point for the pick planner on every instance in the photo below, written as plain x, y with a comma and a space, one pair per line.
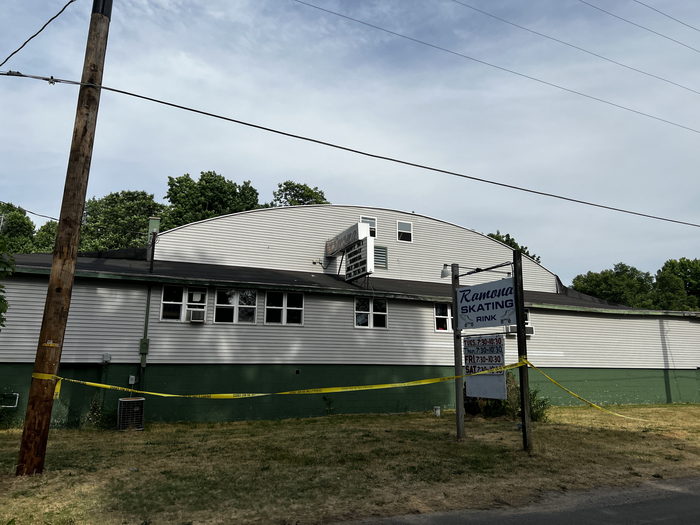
153, 229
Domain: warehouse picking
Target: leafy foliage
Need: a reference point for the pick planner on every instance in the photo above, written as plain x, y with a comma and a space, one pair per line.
117, 220
45, 238
290, 193
510, 241
17, 228
510, 406
210, 196
623, 284
5, 270
676, 286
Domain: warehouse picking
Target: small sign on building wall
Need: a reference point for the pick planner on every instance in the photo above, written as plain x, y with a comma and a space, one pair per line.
481, 353
485, 305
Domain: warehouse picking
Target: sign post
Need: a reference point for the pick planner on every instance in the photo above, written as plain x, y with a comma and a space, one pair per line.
492, 304
522, 350
459, 370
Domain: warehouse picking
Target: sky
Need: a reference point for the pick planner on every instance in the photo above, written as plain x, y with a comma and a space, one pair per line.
292, 67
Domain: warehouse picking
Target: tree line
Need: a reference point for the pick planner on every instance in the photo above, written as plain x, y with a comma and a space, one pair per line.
120, 219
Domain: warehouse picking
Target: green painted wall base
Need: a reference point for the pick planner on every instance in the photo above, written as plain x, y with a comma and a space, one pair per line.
79, 404
619, 386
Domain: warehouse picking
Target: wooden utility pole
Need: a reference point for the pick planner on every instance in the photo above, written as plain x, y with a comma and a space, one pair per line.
48, 355
522, 349
459, 371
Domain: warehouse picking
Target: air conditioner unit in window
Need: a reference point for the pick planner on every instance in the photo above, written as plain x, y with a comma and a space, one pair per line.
195, 316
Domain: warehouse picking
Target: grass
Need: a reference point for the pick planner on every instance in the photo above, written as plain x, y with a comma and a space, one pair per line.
338, 467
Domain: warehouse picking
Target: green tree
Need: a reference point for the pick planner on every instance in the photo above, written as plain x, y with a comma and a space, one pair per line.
510, 241
17, 229
5, 270
677, 285
118, 220
290, 193
625, 285
45, 238
210, 196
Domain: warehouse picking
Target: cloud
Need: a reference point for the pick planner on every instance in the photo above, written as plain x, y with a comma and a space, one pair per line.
284, 65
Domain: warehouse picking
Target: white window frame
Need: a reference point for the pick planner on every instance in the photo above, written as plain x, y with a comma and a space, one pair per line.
436, 317
185, 304
284, 308
398, 237
365, 219
371, 313
235, 306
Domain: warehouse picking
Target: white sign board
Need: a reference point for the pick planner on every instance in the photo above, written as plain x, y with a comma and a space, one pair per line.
359, 259
484, 352
484, 305
350, 236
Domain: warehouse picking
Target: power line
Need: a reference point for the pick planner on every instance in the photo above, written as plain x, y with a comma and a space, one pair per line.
666, 15
53, 80
29, 211
35, 34
578, 48
501, 68
640, 26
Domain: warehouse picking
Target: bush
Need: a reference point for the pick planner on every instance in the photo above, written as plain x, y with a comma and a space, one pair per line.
509, 407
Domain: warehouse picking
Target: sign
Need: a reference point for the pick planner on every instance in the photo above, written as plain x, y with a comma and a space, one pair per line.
359, 259
350, 236
484, 352
484, 305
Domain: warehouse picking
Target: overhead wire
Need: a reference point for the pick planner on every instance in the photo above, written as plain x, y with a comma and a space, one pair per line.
639, 26
666, 15
37, 33
578, 48
53, 80
29, 211
501, 68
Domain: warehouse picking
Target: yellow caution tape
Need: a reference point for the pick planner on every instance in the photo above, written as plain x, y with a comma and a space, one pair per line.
330, 390
326, 390
574, 394
57, 390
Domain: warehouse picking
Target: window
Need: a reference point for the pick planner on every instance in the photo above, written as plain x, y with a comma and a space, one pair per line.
370, 313
235, 306
404, 231
443, 317
372, 221
284, 308
178, 300
381, 257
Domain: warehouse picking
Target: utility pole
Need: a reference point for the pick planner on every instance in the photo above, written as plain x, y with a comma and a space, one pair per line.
522, 349
459, 372
48, 355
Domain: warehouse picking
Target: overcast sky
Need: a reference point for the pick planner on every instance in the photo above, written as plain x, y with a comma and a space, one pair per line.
285, 65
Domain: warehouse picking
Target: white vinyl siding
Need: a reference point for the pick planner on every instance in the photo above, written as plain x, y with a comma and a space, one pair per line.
292, 238
104, 318
108, 318
582, 340
328, 336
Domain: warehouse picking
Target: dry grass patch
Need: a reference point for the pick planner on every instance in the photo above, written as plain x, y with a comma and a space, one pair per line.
339, 467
